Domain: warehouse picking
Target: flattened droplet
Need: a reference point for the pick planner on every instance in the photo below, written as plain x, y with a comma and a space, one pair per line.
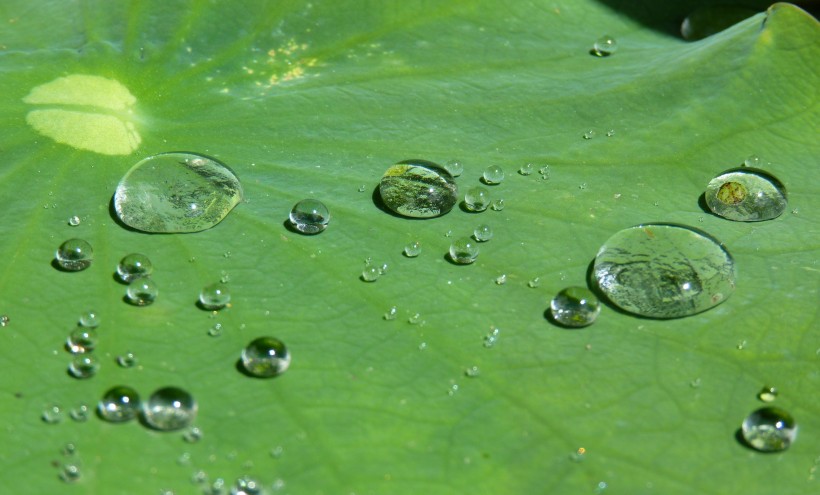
85, 112
176, 192
418, 189
746, 194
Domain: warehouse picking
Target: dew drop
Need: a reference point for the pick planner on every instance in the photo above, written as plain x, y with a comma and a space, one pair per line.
767, 394
266, 357
455, 167
362, 188
74, 255
119, 404
453, 390
80, 413
127, 360
751, 161
416, 319
169, 408
69, 449
216, 330
391, 313
463, 251
52, 414
193, 434
199, 477
247, 486
497, 204
477, 199
413, 249
472, 372
74, 221
309, 216
483, 233
81, 340
493, 175
371, 273
491, 339
83, 366
418, 189
70, 473
423, 346
575, 307
746, 194
215, 296
501, 279
134, 266
664, 270
176, 192
769, 429
526, 169
604, 46
141, 292
589, 134
4, 320
610, 133
89, 319
534, 283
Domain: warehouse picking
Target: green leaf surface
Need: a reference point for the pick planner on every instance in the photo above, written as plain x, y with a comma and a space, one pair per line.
317, 99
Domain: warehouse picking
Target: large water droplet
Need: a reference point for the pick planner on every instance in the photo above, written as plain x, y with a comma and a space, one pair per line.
169, 408
176, 192
119, 404
266, 357
418, 189
74, 221
575, 307
664, 270
74, 255
134, 266
309, 216
746, 194
769, 429
463, 251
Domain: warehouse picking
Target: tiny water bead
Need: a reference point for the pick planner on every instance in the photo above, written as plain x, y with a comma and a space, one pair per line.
767, 394
70, 473
413, 249
463, 251
52, 414
215, 296
391, 313
455, 167
501, 279
418, 189
589, 134
497, 204
74, 255
169, 408
472, 372
751, 161
664, 270
4, 320
81, 340
89, 319
74, 221
575, 307
483, 233
604, 46
193, 434
266, 357
769, 429
491, 339
526, 169
134, 266
477, 199
127, 360
119, 404
309, 216
216, 330
746, 194
80, 413
83, 366
176, 192
493, 175
142, 292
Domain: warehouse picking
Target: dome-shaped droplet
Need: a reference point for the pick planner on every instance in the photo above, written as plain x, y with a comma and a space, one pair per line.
169, 408
266, 357
215, 296
746, 194
74, 255
141, 292
119, 404
413, 249
604, 46
664, 270
483, 233
176, 192
493, 175
463, 251
575, 307
133, 266
309, 216
418, 189
769, 429
477, 199
83, 366
81, 340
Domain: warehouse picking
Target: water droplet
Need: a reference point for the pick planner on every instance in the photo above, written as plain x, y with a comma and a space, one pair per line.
501, 279
497, 204
79, 413
70, 473
769, 429
81, 340
246, 486
600, 487
371, 273
362, 188
83, 366
741, 345
142, 292
169, 408
309, 216
575, 307
134, 266
265, 357
176, 192
74, 255
89, 319
695, 383
746, 195
545, 172
69, 449
418, 189
492, 338
472, 372
391, 314
483, 233
477, 199
423, 346
751, 161
589, 134
74, 221
536, 282
193, 434
526, 169
604, 46
413, 249
416, 319
664, 270
217, 488
215, 296
610, 133
52, 414
452, 390
583, 186
216, 330
463, 251
493, 175
455, 167
4, 320
767, 394
127, 360
277, 452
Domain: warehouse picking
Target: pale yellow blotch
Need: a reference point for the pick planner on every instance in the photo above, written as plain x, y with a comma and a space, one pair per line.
85, 112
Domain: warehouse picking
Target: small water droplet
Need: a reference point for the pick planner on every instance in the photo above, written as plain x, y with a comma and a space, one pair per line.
769, 429
119, 404
214, 296
142, 292
4, 320
423, 346
589, 134
277, 452
266, 357
309, 216
582, 186
134, 266
575, 307
501, 279
70, 473
370, 273
416, 319
497, 204
604, 46
83, 366
767, 394
247, 486
472, 372
216, 330
74, 221
483, 233
610, 133
362, 188
176, 192
169, 408
463, 251
69, 449
455, 167
193, 434
89, 319
80, 413
751, 161
746, 195
493, 175
741, 345
452, 390
184, 459
74, 255
545, 172
52, 414
413, 249
526, 169
695, 383
127, 360
81, 340
418, 189
601, 487
492, 338
534, 283
391, 314
477, 199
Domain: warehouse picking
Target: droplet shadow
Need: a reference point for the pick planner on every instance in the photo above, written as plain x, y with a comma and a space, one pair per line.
702, 204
